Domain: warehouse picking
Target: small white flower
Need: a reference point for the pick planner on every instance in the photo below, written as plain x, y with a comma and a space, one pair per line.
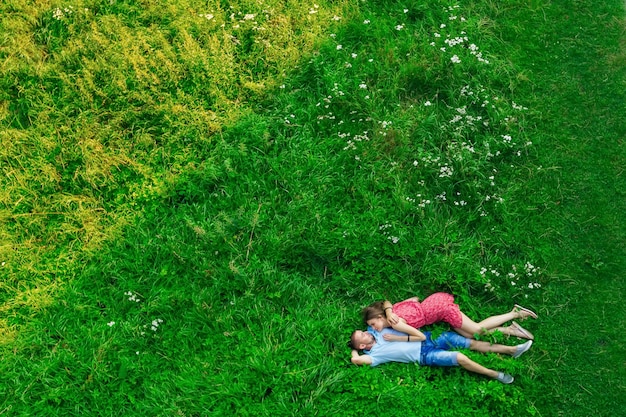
455, 59
339, 47
363, 86
366, 22
336, 18
428, 103
248, 16
406, 10
111, 324
399, 27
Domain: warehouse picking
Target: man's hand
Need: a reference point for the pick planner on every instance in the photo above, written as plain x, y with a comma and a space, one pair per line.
360, 359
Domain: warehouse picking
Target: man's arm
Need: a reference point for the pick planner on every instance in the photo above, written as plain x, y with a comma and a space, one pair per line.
360, 359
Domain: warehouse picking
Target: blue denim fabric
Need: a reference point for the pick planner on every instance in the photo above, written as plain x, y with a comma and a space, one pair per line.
436, 352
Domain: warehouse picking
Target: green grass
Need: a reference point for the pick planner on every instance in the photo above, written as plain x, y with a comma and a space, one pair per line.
582, 220
197, 199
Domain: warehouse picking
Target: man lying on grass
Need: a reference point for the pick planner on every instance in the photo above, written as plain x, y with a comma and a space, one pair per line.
392, 346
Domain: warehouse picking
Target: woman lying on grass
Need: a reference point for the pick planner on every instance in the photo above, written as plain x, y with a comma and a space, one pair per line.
409, 315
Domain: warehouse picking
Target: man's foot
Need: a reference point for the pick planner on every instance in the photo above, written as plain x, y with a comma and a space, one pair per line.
505, 378
519, 331
520, 349
523, 312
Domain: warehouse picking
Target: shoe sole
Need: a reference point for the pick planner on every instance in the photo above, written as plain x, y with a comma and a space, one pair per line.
532, 313
525, 332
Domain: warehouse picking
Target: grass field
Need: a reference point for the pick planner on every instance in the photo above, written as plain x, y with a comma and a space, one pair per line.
198, 197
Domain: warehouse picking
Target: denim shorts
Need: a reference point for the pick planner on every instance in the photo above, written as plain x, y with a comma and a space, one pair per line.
436, 352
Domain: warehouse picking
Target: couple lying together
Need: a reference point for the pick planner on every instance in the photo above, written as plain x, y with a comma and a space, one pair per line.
393, 336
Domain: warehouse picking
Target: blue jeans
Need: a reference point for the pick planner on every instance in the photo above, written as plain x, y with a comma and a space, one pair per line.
436, 352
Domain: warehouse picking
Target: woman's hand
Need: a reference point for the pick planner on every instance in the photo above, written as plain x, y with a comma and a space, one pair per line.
392, 318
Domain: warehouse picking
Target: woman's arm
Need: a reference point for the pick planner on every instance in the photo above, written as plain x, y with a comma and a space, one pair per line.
397, 338
399, 324
416, 335
392, 317
410, 330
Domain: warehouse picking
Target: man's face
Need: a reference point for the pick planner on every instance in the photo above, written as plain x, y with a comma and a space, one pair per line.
365, 340
378, 323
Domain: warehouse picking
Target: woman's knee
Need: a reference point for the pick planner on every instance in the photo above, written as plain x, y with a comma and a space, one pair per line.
462, 359
470, 325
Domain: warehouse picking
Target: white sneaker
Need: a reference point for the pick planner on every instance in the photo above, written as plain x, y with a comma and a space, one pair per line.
522, 348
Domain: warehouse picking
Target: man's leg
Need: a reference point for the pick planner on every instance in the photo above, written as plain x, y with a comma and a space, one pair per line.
472, 366
440, 357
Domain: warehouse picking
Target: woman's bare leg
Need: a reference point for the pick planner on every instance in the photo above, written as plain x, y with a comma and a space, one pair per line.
469, 327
